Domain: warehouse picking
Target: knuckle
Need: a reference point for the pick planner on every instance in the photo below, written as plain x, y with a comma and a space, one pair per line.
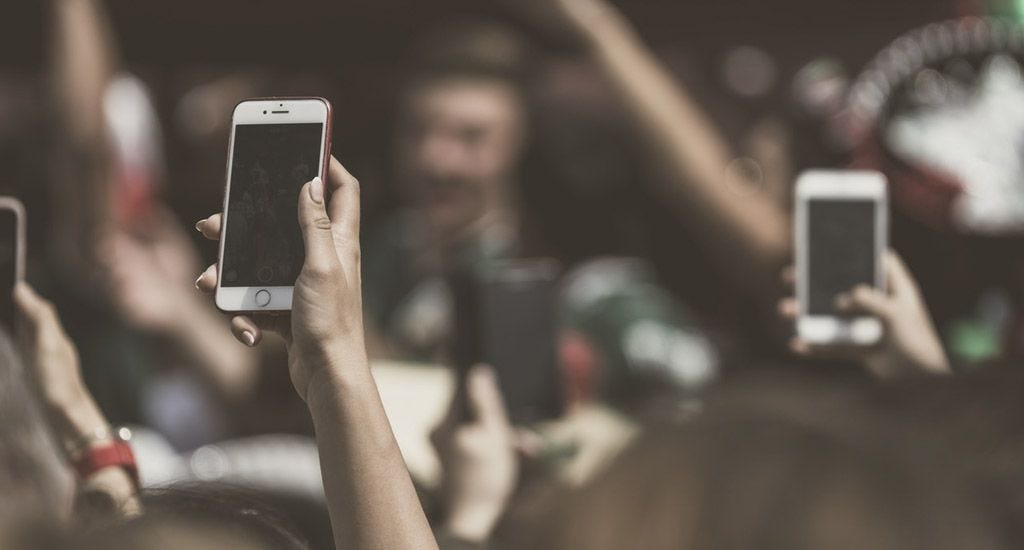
321, 271
322, 223
319, 222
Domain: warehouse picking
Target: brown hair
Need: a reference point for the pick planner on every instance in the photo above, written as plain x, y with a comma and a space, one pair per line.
750, 474
466, 47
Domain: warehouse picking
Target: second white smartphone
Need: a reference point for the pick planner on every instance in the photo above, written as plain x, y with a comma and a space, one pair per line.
277, 145
842, 224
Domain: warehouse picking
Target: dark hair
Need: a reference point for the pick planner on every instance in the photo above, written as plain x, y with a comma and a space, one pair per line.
803, 467
470, 48
233, 515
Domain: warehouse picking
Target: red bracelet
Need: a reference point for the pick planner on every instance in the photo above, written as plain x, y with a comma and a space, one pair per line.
116, 452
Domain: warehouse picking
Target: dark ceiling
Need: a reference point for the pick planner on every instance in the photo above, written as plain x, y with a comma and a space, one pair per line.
354, 32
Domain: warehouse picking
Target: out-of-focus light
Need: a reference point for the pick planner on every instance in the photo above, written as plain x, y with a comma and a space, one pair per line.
749, 71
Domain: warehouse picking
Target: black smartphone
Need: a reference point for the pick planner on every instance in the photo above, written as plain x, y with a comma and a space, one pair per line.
507, 317
12, 255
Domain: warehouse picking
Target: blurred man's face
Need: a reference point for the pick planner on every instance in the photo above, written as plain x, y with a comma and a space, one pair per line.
460, 141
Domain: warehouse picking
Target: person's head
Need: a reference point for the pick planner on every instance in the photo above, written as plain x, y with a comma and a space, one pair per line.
462, 123
821, 473
34, 483
199, 517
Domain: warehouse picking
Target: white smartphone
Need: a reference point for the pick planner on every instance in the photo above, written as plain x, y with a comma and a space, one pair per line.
12, 255
277, 145
842, 224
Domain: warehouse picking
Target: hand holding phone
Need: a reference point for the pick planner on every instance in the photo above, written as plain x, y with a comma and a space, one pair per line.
910, 342
277, 145
325, 325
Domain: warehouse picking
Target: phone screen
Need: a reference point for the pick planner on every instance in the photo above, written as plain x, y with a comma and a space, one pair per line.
507, 318
8, 264
841, 250
262, 240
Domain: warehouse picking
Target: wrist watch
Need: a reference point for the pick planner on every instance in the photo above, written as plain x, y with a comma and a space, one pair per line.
105, 448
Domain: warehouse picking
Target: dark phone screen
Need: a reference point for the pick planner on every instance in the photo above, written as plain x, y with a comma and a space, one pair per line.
508, 318
263, 242
841, 251
8, 265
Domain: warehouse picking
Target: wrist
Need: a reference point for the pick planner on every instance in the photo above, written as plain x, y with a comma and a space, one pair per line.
331, 371
78, 421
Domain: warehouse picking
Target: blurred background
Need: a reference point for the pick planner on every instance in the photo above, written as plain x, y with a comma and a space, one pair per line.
785, 85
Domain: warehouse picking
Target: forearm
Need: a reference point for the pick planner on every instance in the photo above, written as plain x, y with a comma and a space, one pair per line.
370, 495
84, 64
688, 150
76, 420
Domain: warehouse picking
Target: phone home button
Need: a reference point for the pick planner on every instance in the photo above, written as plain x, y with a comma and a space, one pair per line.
263, 298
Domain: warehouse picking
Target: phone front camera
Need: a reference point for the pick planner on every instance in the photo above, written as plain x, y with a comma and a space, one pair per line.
264, 112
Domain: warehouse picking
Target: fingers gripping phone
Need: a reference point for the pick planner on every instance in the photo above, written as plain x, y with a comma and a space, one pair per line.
507, 317
841, 234
12, 255
277, 145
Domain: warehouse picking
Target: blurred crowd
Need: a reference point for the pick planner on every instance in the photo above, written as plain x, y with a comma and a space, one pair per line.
659, 178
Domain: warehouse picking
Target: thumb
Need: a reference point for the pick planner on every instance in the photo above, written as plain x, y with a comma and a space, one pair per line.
865, 299
32, 308
484, 397
316, 225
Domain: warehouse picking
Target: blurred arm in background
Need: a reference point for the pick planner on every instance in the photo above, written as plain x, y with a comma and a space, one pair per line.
478, 459
84, 63
747, 234
152, 287
148, 261
51, 362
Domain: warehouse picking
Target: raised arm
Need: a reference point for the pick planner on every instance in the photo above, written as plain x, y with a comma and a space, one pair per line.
84, 64
78, 423
742, 232
151, 286
82, 168
370, 495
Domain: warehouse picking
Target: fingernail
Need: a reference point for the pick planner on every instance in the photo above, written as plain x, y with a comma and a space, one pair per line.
316, 190
250, 340
200, 278
199, 225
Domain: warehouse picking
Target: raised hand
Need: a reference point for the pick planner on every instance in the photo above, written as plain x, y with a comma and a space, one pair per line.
50, 356
370, 496
52, 366
910, 342
149, 275
325, 324
478, 458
